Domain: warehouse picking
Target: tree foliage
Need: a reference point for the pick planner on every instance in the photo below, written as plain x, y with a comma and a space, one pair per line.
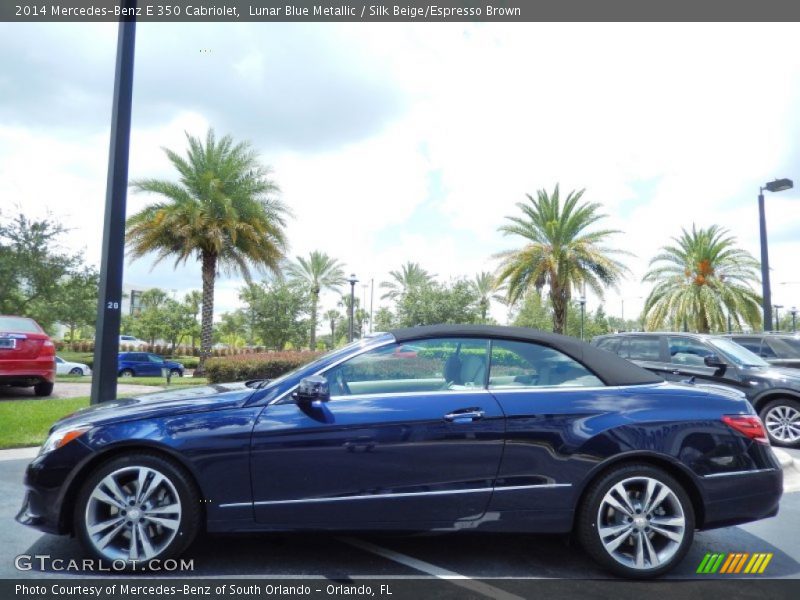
561, 251
280, 312
701, 279
222, 212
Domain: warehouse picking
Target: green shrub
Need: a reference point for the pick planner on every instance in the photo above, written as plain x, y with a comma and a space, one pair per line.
266, 365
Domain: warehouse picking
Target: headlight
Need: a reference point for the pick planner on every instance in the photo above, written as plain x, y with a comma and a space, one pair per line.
63, 436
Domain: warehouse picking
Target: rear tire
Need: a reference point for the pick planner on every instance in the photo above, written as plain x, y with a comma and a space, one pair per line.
76, 371
136, 508
43, 389
636, 521
781, 418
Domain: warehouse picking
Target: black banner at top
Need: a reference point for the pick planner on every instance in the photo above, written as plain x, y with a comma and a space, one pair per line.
408, 11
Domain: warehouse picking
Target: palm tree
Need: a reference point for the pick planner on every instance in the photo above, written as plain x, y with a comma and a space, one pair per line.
485, 286
559, 252
194, 300
332, 316
318, 272
702, 280
222, 212
411, 275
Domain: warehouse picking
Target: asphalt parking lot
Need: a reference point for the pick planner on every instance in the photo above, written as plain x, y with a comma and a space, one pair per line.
452, 556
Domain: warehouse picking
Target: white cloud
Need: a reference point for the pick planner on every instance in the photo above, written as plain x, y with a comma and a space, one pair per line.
664, 124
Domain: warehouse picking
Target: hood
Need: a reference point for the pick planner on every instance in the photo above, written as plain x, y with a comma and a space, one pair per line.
778, 377
170, 402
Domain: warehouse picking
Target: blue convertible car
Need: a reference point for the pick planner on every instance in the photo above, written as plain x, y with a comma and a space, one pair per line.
480, 428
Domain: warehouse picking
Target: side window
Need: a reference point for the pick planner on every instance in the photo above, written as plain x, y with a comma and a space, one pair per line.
752, 344
523, 364
421, 366
643, 347
685, 351
154, 359
773, 349
611, 344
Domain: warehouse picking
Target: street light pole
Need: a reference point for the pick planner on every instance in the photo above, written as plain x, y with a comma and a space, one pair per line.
777, 319
778, 185
794, 319
109, 315
583, 313
371, 301
353, 281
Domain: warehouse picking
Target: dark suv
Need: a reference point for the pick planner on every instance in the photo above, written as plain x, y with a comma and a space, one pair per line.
781, 350
144, 364
774, 392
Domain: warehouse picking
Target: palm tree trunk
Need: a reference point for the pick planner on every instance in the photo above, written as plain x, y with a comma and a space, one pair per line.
560, 299
207, 323
314, 301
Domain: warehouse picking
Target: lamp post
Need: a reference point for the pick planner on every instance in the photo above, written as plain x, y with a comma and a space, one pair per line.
371, 301
777, 320
582, 302
778, 185
353, 281
794, 319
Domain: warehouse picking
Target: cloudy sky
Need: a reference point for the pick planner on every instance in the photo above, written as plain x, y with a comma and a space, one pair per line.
398, 142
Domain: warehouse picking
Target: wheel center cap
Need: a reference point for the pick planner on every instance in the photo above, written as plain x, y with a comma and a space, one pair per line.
134, 514
640, 522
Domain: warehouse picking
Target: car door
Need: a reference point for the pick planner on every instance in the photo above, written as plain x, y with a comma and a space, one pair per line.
647, 351
545, 396
688, 359
153, 365
405, 438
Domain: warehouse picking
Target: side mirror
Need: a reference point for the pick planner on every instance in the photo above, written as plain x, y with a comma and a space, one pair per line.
312, 389
715, 362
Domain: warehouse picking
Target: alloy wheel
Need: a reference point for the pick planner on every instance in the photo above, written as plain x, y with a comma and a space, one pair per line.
641, 523
133, 513
783, 423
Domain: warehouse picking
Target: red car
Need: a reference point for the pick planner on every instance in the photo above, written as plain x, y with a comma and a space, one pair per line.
27, 355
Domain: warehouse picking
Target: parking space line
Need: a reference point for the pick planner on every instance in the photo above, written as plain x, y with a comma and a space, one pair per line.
420, 565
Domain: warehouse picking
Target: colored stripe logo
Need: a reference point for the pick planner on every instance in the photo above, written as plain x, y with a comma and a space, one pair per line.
734, 562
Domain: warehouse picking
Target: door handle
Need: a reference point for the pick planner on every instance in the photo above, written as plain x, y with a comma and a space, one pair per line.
464, 416
676, 372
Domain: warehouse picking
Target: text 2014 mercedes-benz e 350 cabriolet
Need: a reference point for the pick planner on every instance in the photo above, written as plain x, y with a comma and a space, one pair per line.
480, 428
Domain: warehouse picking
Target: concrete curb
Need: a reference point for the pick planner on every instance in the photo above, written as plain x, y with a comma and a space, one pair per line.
19, 453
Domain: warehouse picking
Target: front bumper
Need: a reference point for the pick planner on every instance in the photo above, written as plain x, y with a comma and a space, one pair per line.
49, 481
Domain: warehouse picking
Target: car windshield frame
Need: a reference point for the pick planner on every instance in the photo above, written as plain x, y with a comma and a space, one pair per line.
736, 353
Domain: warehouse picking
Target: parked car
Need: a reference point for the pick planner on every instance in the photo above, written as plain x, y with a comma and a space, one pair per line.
499, 429
146, 364
27, 355
774, 392
132, 342
781, 350
65, 367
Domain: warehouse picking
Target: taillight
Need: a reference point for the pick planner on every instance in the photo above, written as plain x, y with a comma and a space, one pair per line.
749, 425
48, 348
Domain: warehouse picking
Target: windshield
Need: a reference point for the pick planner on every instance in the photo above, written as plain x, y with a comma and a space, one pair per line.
738, 354
19, 325
343, 351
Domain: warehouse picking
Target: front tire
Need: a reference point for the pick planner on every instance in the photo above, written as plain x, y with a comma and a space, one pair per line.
176, 373
126, 373
636, 521
76, 371
136, 508
43, 389
781, 419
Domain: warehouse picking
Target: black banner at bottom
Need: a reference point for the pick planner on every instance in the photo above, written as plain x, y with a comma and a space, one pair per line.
390, 589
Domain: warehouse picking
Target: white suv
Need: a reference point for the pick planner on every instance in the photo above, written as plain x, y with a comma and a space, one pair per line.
131, 341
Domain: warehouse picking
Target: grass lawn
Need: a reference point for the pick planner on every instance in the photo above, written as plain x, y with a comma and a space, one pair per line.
26, 422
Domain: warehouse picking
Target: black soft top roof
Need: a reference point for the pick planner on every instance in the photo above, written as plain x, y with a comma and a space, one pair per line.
609, 367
